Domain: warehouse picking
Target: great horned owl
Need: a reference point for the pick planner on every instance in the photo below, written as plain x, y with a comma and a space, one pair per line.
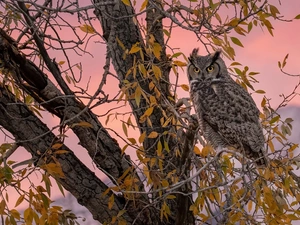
227, 114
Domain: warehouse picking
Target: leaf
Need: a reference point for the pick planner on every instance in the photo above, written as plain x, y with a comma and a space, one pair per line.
143, 6
250, 25
142, 137
87, 29
179, 63
236, 41
157, 72
142, 69
20, 200
15, 214
297, 17
197, 150
185, 87
2, 207
260, 92
132, 140
263, 102
135, 48
111, 201
126, 2
125, 129
274, 10
159, 148
57, 145
28, 215
274, 119
59, 152
82, 124
175, 55
149, 111
156, 50
284, 60
54, 169
61, 62
234, 22
137, 95
153, 134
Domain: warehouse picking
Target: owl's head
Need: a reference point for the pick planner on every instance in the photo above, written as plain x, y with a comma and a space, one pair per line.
209, 67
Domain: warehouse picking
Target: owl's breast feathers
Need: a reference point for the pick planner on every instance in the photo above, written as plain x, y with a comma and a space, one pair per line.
228, 116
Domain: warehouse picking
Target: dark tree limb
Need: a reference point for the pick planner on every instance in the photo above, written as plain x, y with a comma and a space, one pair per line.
36, 138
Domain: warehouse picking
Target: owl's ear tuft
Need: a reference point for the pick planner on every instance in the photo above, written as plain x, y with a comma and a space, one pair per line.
194, 53
216, 55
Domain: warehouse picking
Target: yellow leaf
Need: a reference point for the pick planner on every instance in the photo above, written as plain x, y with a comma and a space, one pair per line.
144, 5
153, 134
124, 129
273, 10
15, 214
28, 215
120, 44
142, 137
111, 201
132, 140
197, 150
157, 72
260, 92
263, 102
185, 87
234, 22
156, 50
149, 111
121, 212
137, 95
57, 145
250, 203
171, 197
153, 100
142, 69
271, 145
126, 2
20, 200
82, 124
61, 62
159, 148
164, 183
179, 63
206, 150
2, 207
135, 48
123, 149
87, 28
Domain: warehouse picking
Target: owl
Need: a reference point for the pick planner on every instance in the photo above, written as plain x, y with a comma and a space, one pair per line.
227, 114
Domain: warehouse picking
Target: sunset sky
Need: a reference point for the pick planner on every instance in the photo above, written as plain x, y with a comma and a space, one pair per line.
261, 53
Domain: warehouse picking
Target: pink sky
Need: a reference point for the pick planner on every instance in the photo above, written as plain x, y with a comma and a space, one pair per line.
261, 53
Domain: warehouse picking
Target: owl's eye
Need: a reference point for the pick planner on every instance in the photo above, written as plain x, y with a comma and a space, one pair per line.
196, 70
210, 68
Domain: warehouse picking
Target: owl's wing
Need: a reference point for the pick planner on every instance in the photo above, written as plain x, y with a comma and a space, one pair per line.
232, 113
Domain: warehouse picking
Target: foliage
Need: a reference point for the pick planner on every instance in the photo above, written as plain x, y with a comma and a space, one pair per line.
177, 178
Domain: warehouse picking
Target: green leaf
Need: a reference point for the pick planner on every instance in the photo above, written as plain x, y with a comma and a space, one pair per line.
236, 41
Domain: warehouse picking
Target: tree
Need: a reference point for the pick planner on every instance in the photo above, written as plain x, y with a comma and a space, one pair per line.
174, 182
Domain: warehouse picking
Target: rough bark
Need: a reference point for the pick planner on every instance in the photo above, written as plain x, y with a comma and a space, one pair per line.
118, 26
31, 133
101, 147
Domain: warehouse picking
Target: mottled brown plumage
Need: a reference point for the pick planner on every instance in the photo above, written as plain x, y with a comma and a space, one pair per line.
226, 112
